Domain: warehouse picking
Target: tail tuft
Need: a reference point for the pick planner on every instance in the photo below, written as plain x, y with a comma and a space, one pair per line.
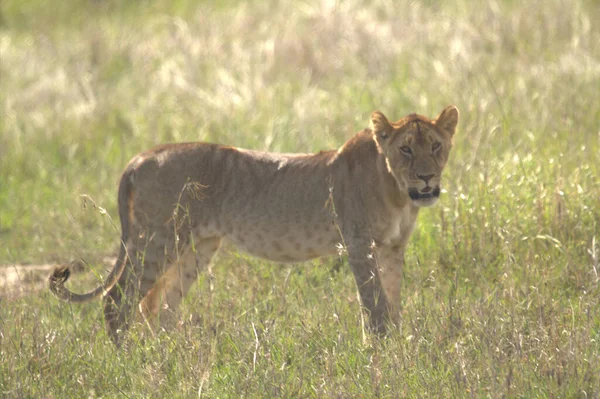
58, 278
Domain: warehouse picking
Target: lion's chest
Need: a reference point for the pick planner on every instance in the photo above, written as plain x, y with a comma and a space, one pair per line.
396, 228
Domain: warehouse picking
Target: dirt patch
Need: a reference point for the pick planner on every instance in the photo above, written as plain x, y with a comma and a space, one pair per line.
18, 280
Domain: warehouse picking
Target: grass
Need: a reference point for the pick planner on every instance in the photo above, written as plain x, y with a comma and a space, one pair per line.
501, 289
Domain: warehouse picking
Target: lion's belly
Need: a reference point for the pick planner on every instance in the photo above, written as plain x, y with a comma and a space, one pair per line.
285, 242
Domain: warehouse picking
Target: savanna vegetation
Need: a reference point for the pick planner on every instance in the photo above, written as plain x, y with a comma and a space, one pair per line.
501, 286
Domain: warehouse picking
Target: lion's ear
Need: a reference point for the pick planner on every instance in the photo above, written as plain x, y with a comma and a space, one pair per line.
380, 125
448, 119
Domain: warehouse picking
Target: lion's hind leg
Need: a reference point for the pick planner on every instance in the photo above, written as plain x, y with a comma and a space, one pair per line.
160, 304
142, 269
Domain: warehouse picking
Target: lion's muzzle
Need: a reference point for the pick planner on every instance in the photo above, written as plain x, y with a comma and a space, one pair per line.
424, 197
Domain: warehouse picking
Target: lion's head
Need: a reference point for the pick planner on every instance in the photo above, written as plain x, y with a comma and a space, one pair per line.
416, 150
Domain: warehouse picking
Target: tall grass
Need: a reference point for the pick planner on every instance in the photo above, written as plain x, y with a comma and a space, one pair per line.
501, 289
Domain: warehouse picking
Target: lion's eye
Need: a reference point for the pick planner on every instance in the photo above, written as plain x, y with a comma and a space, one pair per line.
406, 150
436, 146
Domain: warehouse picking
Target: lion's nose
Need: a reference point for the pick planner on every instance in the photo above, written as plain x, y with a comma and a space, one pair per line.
425, 178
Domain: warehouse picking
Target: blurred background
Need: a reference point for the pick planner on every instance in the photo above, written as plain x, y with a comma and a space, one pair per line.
85, 85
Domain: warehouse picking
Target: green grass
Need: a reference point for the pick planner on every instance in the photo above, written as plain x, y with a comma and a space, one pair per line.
501, 291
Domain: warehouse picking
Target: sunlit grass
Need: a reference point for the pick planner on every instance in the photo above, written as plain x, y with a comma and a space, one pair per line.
501, 289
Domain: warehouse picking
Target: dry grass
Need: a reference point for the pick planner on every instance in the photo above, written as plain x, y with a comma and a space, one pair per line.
501, 282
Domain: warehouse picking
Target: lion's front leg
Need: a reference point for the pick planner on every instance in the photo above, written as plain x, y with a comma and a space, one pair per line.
372, 294
390, 260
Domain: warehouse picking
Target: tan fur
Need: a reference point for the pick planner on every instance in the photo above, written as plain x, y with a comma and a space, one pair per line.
178, 202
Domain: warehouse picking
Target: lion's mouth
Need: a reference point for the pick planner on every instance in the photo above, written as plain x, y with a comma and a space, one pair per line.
426, 193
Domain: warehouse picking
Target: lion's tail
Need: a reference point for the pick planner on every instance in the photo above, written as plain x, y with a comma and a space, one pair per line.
61, 274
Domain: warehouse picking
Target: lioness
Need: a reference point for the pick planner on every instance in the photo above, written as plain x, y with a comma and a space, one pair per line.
177, 202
